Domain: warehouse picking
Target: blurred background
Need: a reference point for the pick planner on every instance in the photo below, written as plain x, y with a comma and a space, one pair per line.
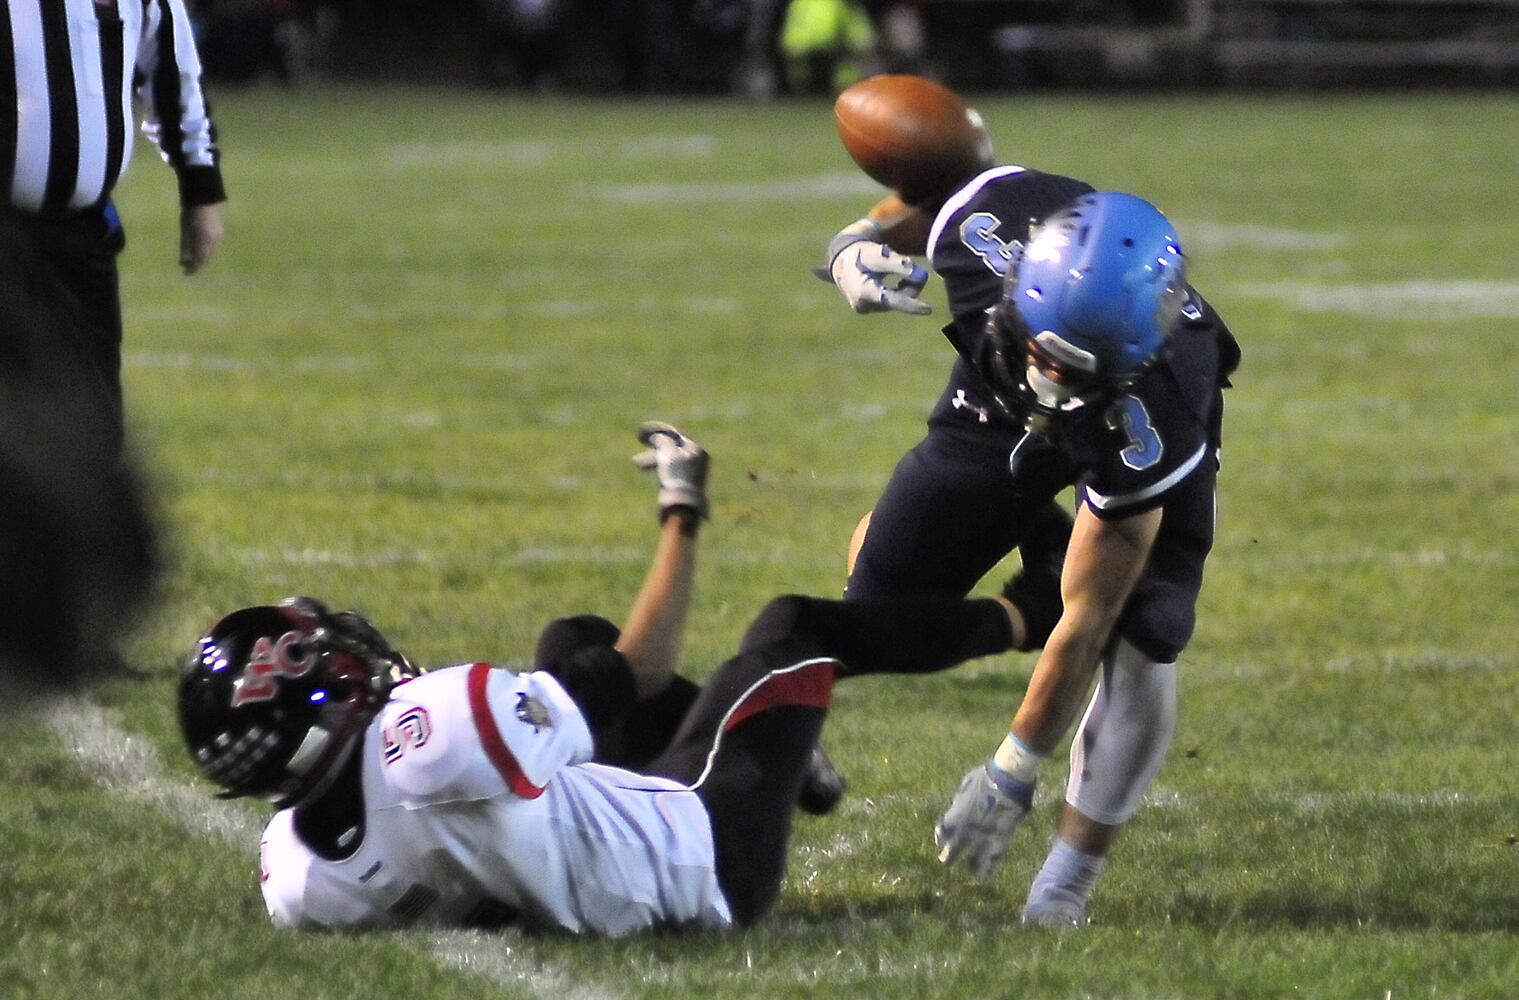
762, 49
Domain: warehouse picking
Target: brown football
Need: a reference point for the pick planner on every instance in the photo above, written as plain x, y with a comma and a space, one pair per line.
912, 134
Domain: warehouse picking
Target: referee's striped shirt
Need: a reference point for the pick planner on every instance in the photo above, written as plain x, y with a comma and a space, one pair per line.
68, 72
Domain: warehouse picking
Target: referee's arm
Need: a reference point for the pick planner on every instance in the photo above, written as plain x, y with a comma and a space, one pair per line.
178, 119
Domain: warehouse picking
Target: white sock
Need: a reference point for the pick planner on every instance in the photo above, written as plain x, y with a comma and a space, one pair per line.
1067, 877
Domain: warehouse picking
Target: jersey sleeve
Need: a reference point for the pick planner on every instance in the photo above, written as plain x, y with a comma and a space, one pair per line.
473, 732
178, 117
982, 227
290, 896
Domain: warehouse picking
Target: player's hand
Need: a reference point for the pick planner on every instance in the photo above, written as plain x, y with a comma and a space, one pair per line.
679, 462
981, 819
873, 277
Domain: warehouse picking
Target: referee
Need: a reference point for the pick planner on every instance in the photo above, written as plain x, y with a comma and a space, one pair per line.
68, 69
76, 543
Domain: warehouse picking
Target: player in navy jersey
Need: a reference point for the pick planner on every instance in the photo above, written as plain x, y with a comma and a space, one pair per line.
472, 795
1140, 443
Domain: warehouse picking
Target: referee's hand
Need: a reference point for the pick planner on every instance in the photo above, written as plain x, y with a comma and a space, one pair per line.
200, 233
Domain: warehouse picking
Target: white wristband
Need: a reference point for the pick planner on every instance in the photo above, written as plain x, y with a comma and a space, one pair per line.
1018, 759
859, 231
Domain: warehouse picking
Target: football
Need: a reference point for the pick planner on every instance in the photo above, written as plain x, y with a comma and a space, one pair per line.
912, 134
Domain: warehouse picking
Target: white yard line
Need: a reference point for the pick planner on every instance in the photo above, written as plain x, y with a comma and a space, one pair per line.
1425, 301
129, 765
520, 154
822, 186
1215, 236
1374, 663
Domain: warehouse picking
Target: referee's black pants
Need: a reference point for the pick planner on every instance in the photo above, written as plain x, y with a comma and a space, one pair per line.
77, 545
60, 310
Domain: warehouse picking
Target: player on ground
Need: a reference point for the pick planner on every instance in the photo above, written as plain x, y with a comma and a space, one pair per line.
1139, 436
468, 796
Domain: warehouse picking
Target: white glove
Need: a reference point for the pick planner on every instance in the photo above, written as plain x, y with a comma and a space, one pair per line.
679, 462
981, 818
863, 271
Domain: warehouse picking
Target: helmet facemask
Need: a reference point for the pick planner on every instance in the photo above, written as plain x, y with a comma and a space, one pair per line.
274, 699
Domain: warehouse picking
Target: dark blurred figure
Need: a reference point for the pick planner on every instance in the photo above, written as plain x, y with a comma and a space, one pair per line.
649, 53
524, 42
245, 40
903, 46
671, 46
761, 70
78, 555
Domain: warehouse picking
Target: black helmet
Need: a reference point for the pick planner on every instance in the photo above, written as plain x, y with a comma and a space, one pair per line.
272, 698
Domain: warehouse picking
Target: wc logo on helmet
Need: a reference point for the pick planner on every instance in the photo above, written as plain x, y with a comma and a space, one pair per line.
268, 662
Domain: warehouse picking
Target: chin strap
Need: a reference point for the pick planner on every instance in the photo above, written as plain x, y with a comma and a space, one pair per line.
1035, 432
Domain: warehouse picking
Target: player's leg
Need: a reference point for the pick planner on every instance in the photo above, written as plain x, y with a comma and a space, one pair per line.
579, 650
1117, 751
945, 518
1123, 739
747, 742
745, 748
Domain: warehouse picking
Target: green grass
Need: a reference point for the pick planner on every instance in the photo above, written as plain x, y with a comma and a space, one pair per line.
409, 385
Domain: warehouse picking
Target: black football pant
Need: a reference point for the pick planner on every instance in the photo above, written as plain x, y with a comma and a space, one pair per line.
951, 511
746, 742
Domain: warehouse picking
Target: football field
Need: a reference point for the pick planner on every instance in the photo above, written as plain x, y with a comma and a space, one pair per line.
409, 385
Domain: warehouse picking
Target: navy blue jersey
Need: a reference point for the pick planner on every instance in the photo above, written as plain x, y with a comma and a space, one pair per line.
971, 246
952, 509
1130, 449
1134, 447
979, 229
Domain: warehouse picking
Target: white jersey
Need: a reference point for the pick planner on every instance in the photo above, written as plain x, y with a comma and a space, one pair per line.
479, 802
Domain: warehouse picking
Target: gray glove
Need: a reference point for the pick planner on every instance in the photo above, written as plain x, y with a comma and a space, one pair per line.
981, 819
872, 276
679, 462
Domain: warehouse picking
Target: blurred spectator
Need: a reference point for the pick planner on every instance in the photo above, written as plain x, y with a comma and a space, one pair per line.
759, 71
524, 42
826, 44
243, 40
649, 50
904, 41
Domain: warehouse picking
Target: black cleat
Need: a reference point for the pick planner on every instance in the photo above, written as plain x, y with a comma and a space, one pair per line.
823, 786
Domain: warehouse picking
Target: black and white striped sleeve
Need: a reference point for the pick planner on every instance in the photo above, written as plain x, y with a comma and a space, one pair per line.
178, 117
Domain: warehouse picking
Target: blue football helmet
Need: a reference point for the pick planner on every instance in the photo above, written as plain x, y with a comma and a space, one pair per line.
1086, 307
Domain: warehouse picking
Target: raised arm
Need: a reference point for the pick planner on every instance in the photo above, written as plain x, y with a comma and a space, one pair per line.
651, 637
903, 227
